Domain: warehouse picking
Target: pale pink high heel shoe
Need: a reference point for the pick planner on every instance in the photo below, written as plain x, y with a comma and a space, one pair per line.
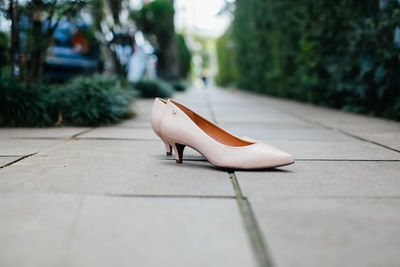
156, 116
182, 127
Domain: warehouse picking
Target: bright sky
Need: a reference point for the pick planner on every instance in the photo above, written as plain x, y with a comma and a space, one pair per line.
201, 17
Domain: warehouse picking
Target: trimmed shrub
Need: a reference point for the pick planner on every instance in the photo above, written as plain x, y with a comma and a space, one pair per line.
22, 107
179, 86
83, 101
90, 101
153, 88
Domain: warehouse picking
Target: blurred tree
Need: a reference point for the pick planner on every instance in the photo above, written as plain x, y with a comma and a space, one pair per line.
3, 51
107, 24
156, 21
43, 17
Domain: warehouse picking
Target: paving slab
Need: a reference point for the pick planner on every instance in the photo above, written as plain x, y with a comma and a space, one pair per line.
232, 102
324, 179
382, 131
330, 232
7, 160
378, 130
50, 132
135, 123
35, 228
121, 133
249, 113
331, 150
72, 230
22, 147
142, 108
113, 167
195, 96
122, 231
288, 130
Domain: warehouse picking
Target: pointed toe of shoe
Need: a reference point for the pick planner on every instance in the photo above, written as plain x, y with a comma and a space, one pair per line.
273, 157
284, 159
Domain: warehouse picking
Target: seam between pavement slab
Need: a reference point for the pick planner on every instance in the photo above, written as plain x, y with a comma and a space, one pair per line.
164, 196
253, 231
15, 161
27, 156
83, 132
340, 160
338, 130
213, 117
368, 141
251, 226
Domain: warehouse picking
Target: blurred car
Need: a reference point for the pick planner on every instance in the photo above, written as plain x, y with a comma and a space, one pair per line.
75, 51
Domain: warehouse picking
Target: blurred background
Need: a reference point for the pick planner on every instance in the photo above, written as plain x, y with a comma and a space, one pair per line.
55, 55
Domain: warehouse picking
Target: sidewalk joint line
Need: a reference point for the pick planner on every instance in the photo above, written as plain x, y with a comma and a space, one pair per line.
213, 117
42, 138
352, 160
340, 131
253, 231
369, 141
80, 133
162, 196
15, 161
115, 139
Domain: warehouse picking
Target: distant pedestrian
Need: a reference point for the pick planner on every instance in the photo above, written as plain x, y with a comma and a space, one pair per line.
204, 77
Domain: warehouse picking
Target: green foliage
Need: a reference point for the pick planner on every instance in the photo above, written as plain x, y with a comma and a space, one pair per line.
226, 60
86, 101
22, 107
337, 53
156, 20
157, 17
185, 56
153, 88
179, 86
94, 101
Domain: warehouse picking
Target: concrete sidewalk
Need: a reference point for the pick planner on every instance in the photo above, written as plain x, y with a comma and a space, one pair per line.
108, 196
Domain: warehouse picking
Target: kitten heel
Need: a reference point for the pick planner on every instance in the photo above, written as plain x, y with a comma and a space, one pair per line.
178, 150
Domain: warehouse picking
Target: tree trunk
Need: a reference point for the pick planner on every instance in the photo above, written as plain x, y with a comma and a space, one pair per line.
36, 55
13, 36
168, 61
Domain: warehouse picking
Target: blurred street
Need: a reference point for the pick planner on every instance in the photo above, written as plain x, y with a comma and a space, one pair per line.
108, 196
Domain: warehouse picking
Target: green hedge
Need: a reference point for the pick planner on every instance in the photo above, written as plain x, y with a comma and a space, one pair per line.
22, 107
338, 53
94, 100
185, 56
83, 101
227, 70
153, 88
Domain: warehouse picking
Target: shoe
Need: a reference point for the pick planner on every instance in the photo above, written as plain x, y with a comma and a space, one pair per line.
182, 127
156, 116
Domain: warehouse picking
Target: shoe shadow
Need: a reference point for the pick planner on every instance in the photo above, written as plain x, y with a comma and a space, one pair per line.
199, 162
